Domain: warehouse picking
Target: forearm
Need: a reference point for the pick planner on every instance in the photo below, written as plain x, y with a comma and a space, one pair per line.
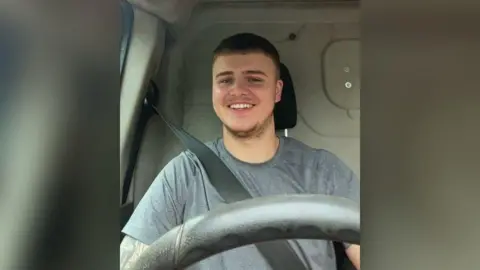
130, 251
353, 253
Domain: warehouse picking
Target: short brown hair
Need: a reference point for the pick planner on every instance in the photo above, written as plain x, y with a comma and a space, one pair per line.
248, 43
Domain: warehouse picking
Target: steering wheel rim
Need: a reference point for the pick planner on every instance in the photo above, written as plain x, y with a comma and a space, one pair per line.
251, 221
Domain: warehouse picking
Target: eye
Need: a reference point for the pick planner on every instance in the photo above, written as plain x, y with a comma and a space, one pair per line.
225, 81
255, 80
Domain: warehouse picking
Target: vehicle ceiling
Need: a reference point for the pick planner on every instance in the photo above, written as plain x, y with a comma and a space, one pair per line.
178, 11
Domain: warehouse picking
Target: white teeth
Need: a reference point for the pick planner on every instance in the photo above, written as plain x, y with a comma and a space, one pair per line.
241, 106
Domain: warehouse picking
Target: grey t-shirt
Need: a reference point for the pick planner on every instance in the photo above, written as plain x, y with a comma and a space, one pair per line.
182, 191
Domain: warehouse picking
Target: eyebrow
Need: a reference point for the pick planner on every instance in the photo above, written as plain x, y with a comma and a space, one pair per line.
224, 73
254, 72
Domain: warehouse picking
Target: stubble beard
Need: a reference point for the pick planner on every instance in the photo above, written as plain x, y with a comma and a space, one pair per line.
256, 131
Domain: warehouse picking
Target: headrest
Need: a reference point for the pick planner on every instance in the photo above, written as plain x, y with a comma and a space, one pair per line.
285, 111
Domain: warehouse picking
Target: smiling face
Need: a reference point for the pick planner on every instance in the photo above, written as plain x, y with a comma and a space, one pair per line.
245, 89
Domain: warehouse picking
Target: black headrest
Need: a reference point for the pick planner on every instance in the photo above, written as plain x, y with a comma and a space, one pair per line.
285, 111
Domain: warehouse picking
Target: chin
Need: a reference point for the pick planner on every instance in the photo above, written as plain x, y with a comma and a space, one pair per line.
241, 131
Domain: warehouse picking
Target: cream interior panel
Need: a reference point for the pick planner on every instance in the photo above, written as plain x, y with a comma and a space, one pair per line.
321, 123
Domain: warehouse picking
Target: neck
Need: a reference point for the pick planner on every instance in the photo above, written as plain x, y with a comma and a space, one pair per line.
256, 149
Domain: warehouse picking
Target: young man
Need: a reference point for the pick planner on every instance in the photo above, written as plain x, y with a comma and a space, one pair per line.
246, 86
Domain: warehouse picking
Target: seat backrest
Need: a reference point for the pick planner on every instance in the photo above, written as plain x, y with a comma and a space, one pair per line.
285, 112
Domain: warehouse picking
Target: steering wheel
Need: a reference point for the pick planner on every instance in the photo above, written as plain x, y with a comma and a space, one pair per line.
251, 221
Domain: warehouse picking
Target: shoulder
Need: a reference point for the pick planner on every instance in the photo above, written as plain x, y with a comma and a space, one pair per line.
295, 149
188, 161
292, 144
183, 161
327, 167
180, 171
326, 159
296, 152
215, 145
338, 175
322, 159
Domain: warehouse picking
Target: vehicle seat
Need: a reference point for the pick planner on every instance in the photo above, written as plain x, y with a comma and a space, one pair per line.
285, 111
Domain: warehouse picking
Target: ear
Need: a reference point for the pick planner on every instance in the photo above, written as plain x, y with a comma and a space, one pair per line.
278, 90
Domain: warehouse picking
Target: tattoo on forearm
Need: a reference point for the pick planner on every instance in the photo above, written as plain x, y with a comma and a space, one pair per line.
130, 250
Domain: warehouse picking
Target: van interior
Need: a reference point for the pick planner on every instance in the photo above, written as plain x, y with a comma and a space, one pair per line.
170, 43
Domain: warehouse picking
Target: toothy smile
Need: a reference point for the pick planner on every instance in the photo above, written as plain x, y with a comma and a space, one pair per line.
241, 106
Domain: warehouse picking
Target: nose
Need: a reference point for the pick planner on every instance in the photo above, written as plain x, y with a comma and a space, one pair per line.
239, 88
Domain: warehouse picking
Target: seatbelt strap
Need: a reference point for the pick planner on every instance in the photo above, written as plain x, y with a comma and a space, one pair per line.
279, 254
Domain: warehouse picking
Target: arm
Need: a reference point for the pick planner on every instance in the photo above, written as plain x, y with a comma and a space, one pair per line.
345, 184
353, 253
158, 211
130, 250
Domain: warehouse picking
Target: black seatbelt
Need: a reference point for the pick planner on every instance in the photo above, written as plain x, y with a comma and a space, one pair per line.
279, 254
